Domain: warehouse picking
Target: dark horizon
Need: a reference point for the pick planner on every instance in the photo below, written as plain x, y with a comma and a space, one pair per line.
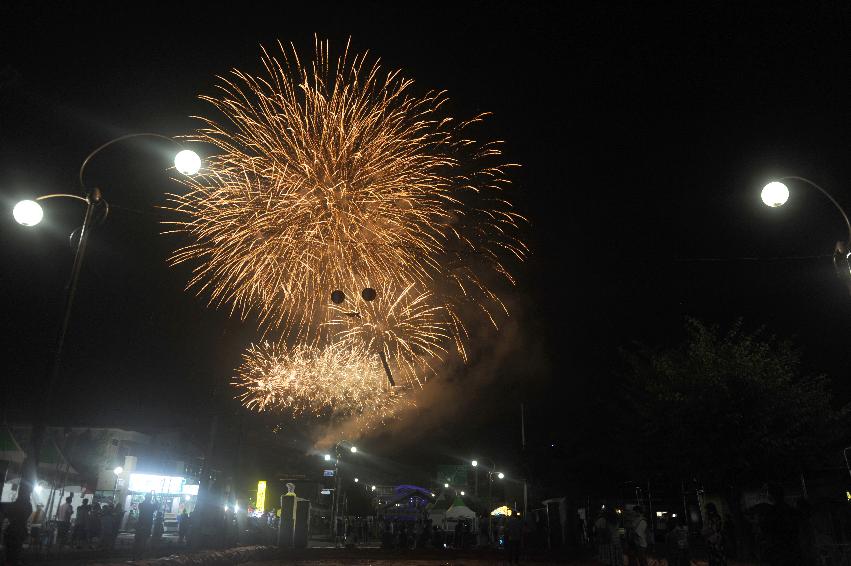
644, 138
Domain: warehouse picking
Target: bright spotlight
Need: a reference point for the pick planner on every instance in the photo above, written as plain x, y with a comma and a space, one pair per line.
775, 194
462, 493
373, 488
28, 213
475, 463
500, 475
446, 485
327, 457
356, 480
354, 449
118, 470
187, 162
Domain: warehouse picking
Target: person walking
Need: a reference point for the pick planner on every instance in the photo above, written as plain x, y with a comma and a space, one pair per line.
182, 525
608, 539
639, 536
17, 512
81, 523
713, 534
678, 544
144, 524
63, 518
159, 528
514, 538
107, 526
35, 522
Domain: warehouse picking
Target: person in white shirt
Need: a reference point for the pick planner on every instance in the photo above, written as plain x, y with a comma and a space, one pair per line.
63, 518
639, 536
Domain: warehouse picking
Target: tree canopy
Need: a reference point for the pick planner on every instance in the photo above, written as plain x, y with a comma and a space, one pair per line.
727, 406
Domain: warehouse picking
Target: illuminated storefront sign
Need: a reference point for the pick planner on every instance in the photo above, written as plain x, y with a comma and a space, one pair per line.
261, 496
147, 483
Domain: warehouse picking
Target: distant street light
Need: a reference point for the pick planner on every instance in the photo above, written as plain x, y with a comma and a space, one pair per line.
356, 480
30, 213
354, 449
327, 457
446, 485
462, 493
373, 488
475, 463
500, 475
776, 193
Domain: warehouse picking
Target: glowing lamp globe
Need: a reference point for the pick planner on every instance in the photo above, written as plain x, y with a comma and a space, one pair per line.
475, 463
775, 194
28, 213
500, 475
118, 470
354, 449
187, 162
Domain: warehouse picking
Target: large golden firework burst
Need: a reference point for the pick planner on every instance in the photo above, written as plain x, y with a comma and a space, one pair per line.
334, 171
333, 175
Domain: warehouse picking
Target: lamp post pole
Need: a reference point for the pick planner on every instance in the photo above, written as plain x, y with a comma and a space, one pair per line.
93, 199
776, 193
30, 466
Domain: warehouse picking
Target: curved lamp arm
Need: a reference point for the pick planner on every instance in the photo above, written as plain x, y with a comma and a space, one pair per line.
116, 140
92, 197
62, 195
828, 195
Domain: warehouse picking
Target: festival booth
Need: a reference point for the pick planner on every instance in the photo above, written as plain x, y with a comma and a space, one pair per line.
457, 512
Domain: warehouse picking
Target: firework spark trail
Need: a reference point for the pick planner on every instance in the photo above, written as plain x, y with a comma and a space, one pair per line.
337, 380
335, 174
406, 327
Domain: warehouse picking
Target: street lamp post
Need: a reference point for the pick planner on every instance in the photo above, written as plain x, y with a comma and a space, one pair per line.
335, 499
117, 471
776, 193
29, 213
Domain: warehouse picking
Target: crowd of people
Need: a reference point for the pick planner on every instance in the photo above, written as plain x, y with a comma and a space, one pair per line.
638, 536
87, 526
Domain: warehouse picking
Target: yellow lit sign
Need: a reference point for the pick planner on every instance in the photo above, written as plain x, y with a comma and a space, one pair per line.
261, 496
504, 510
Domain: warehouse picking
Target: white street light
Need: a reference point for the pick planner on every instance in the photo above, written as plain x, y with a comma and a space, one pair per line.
462, 493
475, 463
187, 162
28, 213
500, 475
446, 485
373, 488
118, 470
327, 457
356, 480
775, 194
354, 449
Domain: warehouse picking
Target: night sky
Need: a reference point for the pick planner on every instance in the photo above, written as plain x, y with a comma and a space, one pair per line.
644, 135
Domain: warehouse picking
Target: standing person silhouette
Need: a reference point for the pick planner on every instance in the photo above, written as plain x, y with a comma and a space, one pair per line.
144, 524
